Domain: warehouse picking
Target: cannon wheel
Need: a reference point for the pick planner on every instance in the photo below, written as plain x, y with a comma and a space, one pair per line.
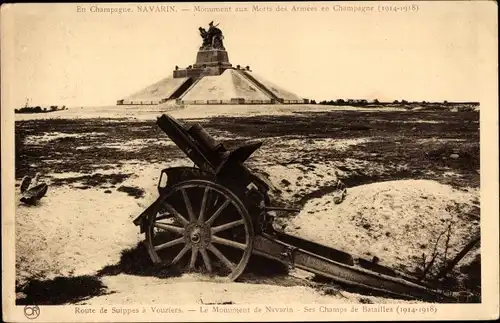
201, 226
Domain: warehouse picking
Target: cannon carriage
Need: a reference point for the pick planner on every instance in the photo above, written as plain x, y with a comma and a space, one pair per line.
212, 217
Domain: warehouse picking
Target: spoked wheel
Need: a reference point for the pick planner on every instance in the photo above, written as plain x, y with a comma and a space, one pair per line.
203, 227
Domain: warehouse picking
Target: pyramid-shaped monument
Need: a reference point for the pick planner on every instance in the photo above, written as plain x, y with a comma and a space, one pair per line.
212, 80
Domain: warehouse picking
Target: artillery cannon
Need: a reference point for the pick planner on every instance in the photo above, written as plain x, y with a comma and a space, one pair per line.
212, 217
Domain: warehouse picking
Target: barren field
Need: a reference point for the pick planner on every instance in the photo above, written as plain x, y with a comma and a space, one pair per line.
413, 196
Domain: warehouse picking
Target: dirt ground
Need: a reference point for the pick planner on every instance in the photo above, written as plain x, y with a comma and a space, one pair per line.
413, 196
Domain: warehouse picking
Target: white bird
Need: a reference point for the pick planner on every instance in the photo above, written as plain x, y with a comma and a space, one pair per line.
35, 181
32, 189
340, 192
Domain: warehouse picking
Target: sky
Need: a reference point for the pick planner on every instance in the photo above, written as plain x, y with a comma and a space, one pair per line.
56, 54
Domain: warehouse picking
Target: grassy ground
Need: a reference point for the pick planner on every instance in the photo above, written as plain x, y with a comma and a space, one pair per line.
402, 144
362, 146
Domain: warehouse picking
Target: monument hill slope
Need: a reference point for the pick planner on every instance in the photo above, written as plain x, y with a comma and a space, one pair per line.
273, 88
229, 85
103, 166
156, 93
233, 86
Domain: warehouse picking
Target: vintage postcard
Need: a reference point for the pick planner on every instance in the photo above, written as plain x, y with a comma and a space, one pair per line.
296, 161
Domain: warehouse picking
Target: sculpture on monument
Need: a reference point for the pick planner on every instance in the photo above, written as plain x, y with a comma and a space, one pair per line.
204, 36
212, 39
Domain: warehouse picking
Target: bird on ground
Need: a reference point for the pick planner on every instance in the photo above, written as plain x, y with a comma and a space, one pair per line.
32, 190
340, 190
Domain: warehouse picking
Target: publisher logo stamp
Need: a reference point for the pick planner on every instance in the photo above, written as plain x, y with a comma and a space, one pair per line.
31, 311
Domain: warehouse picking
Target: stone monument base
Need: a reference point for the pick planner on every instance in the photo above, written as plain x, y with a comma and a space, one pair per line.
208, 62
211, 57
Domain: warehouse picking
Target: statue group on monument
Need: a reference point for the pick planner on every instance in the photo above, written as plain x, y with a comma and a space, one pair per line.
212, 39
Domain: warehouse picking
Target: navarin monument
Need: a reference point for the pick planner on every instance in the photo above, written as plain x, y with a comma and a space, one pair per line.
212, 80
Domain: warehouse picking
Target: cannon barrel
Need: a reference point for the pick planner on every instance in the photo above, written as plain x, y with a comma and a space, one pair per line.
179, 134
208, 154
207, 142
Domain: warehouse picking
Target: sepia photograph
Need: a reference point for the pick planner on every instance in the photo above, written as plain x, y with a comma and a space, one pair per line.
249, 161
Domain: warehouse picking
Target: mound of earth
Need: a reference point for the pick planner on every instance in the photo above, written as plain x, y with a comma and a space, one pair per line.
72, 232
404, 223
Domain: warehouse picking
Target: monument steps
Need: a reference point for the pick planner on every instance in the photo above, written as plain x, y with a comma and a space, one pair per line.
285, 95
190, 87
260, 86
182, 89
